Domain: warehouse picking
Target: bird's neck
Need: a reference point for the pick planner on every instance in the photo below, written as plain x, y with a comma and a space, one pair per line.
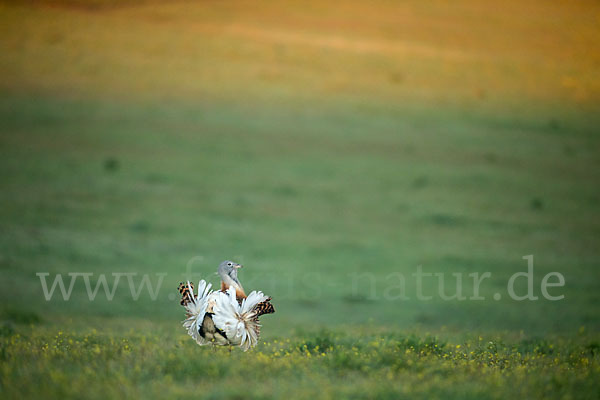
227, 281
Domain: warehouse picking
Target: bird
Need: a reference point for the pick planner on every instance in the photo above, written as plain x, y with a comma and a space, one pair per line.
227, 317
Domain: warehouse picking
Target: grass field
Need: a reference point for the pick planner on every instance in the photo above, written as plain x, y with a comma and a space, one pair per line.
329, 149
323, 365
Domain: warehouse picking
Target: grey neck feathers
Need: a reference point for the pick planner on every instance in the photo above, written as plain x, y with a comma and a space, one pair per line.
231, 279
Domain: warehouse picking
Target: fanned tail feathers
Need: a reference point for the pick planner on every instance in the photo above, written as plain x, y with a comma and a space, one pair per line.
264, 307
195, 306
186, 290
236, 322
240, 321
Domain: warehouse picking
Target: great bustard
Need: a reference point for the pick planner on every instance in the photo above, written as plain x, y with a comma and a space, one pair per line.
224, 317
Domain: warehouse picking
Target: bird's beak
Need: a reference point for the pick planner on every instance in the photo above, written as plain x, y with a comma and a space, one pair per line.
238, 266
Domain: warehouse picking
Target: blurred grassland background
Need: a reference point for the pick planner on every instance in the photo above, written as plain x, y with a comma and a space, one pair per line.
309, 141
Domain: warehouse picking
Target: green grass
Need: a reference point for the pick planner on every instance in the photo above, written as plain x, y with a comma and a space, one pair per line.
312, 149
305, 212
306, 366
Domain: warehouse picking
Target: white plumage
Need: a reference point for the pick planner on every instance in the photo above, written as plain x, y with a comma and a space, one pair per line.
239, 322
196, 310
225, 317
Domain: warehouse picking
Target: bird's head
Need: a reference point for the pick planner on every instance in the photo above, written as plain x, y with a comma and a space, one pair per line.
229, 268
